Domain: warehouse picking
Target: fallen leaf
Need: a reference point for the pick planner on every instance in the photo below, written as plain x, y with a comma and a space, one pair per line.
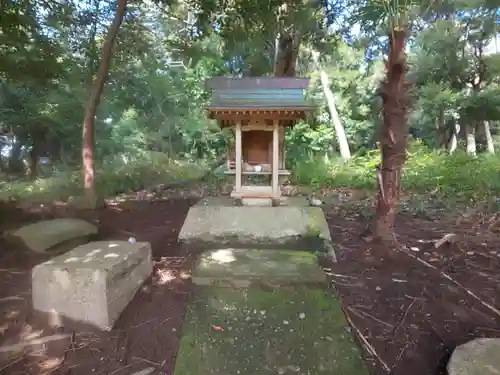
217, 328
447, 238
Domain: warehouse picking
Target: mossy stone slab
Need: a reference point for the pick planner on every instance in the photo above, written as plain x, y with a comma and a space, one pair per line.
253, 226
242, 267
44, 235
288, 330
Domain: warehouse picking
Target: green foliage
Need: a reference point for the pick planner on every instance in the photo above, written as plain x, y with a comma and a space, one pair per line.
154, 98
119, 174
460, 177
304, 141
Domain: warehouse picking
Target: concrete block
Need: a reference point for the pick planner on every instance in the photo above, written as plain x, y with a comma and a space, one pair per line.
212, 223
93, 283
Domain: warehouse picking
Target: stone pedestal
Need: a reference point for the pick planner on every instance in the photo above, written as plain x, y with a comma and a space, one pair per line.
211, 223
91, 284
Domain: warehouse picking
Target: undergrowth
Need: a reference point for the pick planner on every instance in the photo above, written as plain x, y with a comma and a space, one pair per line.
459, 177
113, 176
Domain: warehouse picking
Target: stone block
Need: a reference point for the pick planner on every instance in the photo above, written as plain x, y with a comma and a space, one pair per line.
46, 234
247, 266
258, 226
476, 357
93, 283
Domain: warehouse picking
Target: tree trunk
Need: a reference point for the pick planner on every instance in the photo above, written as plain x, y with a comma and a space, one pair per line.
489, 139
330, 101
34, 157
453, 141
15, 160
470, 138
93, 103
337, 123
393, 138
288, 51
440, 137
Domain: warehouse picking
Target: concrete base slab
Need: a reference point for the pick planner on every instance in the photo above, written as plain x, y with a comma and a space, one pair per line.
91, 284
210, 223
250, 266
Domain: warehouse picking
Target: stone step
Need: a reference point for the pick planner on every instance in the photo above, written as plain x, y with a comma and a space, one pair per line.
256, 201
242, 267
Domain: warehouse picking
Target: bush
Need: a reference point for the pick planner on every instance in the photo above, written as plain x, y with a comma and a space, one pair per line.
459, 176
119, 174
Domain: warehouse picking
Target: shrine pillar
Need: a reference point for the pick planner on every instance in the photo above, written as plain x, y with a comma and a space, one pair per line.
275, 163
238, 160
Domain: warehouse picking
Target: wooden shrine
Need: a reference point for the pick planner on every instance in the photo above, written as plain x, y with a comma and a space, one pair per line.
257, 109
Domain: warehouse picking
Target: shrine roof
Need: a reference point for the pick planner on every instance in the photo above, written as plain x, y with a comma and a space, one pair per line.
258, 93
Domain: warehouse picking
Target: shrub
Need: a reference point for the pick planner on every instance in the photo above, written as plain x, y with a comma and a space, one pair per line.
119, 174
459, 176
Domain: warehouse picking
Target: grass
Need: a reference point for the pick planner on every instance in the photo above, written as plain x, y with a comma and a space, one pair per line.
459, 176
113, 176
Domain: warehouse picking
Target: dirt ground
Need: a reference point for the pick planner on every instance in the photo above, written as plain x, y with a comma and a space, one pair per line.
408, 314
148, 332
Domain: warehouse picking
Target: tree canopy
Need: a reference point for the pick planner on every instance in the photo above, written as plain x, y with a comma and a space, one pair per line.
154, 98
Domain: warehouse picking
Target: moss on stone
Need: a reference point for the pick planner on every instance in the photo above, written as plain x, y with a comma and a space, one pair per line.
44, 235
316, 225
251, 331
264, 266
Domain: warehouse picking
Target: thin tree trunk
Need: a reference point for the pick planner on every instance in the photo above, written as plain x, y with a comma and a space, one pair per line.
453, 142
276, 51
34, 157
489, 139
393, 138
440, 131
470, 137
15, 163
337, 123
345, 152
93, 103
